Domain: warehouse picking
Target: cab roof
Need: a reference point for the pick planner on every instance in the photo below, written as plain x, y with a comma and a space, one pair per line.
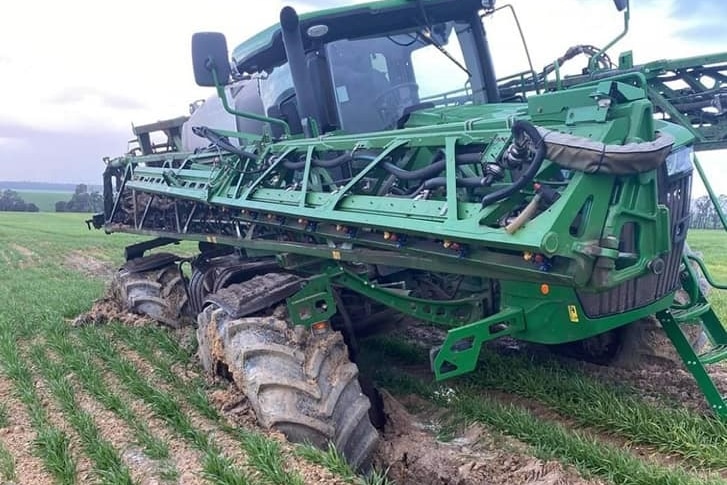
265, 50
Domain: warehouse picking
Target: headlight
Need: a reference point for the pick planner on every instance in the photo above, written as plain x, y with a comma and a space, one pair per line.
680, 160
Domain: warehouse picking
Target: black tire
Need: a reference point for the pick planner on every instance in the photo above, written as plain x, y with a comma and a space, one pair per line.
297, 382
602, 349
644, 342
159, 294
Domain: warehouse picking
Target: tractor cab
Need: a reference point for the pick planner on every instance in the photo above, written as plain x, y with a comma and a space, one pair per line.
372, 83
363, 68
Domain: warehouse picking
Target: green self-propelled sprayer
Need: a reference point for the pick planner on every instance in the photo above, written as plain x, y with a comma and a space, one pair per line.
374, 162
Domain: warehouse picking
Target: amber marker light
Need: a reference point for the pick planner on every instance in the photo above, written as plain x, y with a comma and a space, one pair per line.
544, 289
319, 327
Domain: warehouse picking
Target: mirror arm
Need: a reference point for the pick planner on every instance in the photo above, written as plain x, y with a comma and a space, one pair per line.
252, 116
592, 62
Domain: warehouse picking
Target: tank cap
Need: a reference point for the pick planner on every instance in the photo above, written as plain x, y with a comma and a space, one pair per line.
316, 31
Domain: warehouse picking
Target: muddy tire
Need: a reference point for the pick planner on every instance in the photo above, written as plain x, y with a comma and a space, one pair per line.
297, 382
159, 293
644, 342
602, 349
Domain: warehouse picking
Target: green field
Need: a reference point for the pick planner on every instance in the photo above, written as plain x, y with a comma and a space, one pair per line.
126, 404
45, 200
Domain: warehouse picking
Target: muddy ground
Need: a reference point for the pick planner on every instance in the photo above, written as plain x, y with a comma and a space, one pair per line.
411, 448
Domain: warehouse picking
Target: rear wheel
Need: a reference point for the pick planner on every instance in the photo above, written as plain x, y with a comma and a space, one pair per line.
601, 349
298, 382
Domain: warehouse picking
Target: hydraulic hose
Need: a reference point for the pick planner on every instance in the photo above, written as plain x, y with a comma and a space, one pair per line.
222, 142
332, 163
469, 182
519, 128
436, 166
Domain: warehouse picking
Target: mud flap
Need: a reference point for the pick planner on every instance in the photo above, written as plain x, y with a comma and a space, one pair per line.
459, 353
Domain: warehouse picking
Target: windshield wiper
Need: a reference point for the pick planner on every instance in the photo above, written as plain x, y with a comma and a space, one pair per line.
427, 35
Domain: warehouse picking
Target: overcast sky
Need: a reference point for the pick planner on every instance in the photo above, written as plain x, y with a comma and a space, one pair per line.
74, 75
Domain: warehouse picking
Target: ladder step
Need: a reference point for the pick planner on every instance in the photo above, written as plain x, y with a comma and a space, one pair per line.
691, 313
717, 354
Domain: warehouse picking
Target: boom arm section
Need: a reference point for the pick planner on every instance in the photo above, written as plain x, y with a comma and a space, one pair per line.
460, 196
691, 92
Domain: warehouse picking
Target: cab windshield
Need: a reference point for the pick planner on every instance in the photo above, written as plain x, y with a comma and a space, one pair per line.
378, 80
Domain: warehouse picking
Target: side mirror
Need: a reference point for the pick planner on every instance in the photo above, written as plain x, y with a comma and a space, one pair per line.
209, 55
621, 5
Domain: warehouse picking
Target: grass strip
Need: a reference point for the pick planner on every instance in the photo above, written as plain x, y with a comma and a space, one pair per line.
332, 460
108, 465
4, 416
7, 465
548, 440
264, 454
91, 379
51, 444
216, 467
701, 440
145, 341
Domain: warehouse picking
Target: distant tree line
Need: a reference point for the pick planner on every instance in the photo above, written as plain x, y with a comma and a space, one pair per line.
81, 201
704, 215
11, 201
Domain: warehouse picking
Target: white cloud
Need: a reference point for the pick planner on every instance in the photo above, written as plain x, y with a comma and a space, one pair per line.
140, 50
12, 144
133, 49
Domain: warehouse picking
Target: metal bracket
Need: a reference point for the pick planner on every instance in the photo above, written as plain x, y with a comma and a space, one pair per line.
314, 303
137, 250
459, 353
448, 313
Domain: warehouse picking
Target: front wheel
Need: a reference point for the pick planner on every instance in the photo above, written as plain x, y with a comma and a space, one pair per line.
298, 382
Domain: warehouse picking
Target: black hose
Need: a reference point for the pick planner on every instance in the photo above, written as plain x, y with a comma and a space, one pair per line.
436, 166
222, 142
333, 162
316, 162
387, 185
469, 182
518, 128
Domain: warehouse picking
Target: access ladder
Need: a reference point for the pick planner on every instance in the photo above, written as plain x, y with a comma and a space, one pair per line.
698, 311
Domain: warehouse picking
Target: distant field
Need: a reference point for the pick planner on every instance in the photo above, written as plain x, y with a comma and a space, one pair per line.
45, 200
